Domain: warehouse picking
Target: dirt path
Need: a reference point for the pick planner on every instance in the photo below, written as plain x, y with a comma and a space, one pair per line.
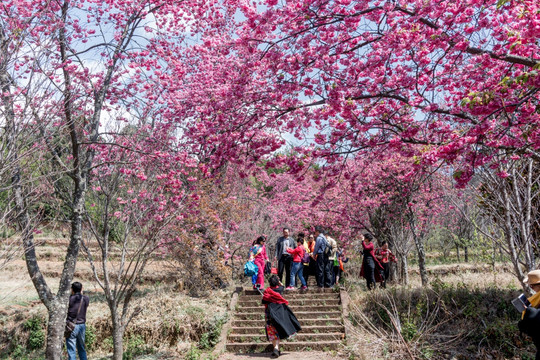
308, 355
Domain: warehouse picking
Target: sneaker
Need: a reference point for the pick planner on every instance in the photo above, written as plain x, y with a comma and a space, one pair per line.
290, 288
303, 287
275, 353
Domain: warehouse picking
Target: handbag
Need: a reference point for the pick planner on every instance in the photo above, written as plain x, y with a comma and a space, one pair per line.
250, 269
273, 270
70, 325
268, 268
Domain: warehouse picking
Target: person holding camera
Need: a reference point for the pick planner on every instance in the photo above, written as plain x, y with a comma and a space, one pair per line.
530, 319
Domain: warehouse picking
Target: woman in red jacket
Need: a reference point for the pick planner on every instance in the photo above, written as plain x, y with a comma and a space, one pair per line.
297, 267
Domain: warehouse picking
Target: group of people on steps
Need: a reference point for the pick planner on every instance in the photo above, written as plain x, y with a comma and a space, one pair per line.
311, 254
316, 254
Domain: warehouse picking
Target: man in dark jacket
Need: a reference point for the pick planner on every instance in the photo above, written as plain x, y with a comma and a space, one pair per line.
78, 303
283, 258
323, 272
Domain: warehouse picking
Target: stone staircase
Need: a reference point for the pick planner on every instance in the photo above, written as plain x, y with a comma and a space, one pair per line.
319, 312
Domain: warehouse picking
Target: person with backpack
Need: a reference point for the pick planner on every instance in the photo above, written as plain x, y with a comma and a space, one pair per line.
297, 266
321, 251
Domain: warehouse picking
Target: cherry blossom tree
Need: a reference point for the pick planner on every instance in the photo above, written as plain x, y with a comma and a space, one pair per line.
68, 70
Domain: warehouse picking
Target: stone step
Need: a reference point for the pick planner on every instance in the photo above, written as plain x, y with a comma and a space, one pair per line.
315, 309
309, 290
300, 337
293, 295
259, 330
293, 302
286, 345
300, 315
305, 322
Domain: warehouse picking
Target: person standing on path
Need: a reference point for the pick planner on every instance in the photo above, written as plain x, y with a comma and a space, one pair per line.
78, 304
297, 266
321, 250
331, 258
258, 255
371, 268
309, 267
283, 258
385, 256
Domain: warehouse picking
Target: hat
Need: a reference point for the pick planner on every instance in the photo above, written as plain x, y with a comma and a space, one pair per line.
533, 277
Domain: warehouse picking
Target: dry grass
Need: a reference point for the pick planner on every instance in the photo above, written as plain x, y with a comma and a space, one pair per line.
441, 325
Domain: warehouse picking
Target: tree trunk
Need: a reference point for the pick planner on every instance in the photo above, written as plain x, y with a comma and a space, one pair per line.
466, 251
404, 269
457, 252
421, 260
55, 330
118, 340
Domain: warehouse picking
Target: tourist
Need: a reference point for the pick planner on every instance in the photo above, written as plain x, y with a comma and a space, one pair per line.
370, 265
385, 256
283, 258
258, 255
338, 270
279, 319
78, 304
310, 265
331, 258
297, 266
321, 250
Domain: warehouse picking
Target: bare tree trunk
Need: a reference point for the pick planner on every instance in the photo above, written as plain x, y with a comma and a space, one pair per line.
457, 252
118, 339
466, 251
404, 269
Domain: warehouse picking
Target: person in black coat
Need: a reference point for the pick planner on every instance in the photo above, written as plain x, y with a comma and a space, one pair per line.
280, 320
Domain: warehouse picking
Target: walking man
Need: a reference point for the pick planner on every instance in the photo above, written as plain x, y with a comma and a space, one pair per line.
78, 303
283, 258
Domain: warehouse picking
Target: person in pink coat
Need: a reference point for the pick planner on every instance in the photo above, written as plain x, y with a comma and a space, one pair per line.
258, 255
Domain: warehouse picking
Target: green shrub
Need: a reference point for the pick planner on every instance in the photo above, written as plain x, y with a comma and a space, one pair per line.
90, 337
36, 338
193, 354
135, 346
210, 337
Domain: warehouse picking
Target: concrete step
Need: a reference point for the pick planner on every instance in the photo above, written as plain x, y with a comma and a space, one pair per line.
296, 301
259, 330
300, 315
309, 290
305, 322
304, 308
296, 294
301, 337
286, 345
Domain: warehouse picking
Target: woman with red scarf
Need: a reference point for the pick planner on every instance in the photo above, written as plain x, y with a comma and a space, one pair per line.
371, 267
280, 320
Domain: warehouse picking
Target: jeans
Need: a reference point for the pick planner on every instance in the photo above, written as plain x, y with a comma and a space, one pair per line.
297, 268
76, 342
